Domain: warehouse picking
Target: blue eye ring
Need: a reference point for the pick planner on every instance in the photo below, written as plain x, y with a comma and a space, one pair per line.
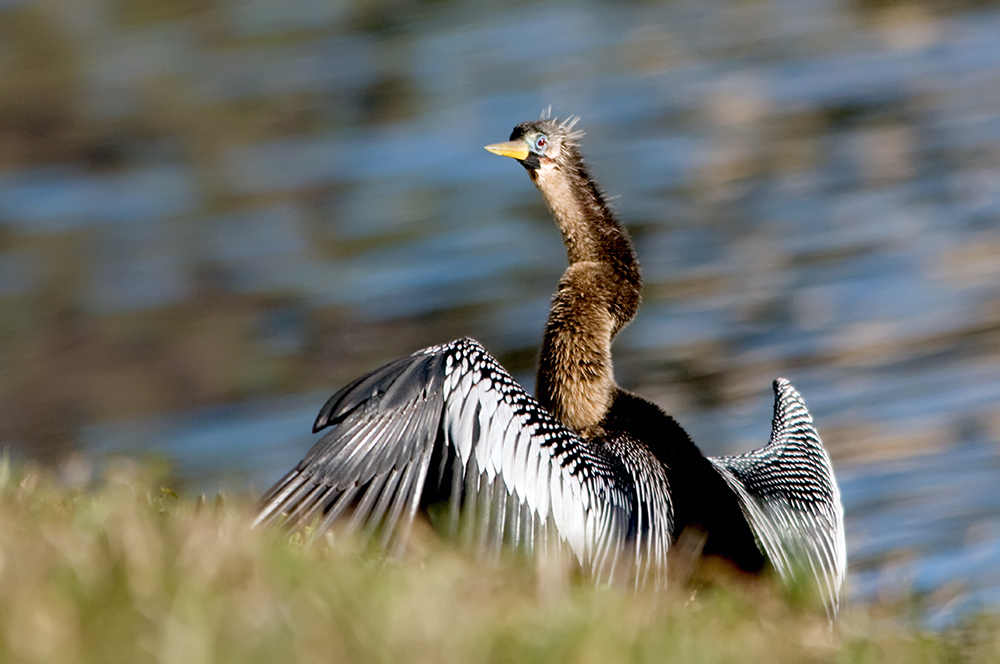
541, 142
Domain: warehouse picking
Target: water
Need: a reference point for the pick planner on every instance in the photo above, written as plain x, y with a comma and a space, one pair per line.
235, 213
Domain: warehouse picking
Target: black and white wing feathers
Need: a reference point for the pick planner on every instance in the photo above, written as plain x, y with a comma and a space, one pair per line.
513, 470
790, 497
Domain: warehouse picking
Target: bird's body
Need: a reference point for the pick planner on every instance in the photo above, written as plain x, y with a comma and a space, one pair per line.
601, 470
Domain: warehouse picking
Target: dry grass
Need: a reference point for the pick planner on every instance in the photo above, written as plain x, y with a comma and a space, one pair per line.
127, 571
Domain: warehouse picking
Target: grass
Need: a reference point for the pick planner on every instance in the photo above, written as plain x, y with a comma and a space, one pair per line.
126, 571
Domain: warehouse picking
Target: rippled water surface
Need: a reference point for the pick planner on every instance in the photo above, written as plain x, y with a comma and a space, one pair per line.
212, 218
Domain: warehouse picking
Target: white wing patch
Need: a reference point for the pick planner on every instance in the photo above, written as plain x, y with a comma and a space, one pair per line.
517, 475
791, 499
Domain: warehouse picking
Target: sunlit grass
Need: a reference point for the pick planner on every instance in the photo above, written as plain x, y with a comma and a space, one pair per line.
126, 571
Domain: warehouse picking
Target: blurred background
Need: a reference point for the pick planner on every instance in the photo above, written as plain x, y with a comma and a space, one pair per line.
214, 213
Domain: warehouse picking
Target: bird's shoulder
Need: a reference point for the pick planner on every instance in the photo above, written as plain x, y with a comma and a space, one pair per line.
636, 421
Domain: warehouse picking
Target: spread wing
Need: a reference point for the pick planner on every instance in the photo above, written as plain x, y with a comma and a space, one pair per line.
791, 499
452, 415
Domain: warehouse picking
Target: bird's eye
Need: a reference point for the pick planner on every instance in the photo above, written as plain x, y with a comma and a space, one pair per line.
540, 143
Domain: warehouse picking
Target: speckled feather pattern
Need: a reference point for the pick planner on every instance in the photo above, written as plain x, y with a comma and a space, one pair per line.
586, 467
791, 499
522, 472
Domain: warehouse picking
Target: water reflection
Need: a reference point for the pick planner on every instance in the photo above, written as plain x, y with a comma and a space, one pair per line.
238, 211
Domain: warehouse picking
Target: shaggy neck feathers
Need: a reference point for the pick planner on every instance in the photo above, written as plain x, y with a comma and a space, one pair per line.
598, 295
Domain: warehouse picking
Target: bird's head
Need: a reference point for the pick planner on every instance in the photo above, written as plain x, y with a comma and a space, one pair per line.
540, 144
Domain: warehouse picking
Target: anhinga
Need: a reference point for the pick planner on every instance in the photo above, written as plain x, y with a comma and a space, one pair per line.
586, 463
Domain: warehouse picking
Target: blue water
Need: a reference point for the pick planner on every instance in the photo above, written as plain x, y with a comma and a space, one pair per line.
813, 190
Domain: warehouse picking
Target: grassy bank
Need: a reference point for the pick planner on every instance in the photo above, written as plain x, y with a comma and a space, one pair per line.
126, 571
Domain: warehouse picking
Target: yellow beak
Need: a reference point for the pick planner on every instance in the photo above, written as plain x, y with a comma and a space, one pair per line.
515, 149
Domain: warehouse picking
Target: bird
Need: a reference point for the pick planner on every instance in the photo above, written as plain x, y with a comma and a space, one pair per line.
582, 466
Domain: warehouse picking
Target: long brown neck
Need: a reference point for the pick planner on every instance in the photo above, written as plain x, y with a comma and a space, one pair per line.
598, 295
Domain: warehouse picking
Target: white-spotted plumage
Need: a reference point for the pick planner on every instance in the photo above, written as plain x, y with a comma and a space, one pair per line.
791, 499
519, 477
597, 470
519, 467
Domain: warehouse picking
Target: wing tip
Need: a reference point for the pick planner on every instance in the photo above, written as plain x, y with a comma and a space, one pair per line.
784, 388
788, 402
322, 421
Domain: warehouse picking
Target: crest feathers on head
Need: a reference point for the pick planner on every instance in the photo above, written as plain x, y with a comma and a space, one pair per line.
565, 127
